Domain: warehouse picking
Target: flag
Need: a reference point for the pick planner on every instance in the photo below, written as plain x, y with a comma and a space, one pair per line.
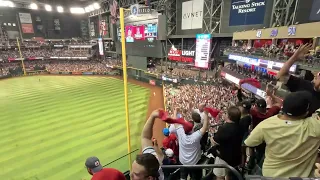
187, 126
113, 11
213, 112
251, 81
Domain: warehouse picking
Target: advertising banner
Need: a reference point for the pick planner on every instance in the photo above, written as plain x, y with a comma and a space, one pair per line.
101, 49
87, 73
25, 18
77, 73
261, 62
203, 44
136, 10
181, 55
27, 28
247, 12
164, 78
192, 14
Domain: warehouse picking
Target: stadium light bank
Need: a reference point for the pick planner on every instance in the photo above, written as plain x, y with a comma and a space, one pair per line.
6, 4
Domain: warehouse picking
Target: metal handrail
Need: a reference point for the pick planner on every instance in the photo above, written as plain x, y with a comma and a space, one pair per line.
233, 170
120, 157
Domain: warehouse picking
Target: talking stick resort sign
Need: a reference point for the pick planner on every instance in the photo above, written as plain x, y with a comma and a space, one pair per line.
247, 12
248, 7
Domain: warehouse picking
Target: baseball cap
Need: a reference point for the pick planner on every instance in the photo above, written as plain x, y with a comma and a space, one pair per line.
297, 103
166, 131
261, 103
245, 104
94, 164
169, 152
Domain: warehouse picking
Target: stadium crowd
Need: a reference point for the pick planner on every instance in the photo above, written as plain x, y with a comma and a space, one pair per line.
38, 43
284, 136
32, 53
249, 73
58, 66
183, 71
282, 51
218, 121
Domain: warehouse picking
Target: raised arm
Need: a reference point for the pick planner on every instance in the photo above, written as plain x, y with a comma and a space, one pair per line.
147, 132
299, 54
205, 126
271, 93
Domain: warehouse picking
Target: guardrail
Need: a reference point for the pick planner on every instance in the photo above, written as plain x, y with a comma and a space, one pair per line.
208, 166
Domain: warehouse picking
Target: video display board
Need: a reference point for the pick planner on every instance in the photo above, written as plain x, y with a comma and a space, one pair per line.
141, 32
247, 12
203, 44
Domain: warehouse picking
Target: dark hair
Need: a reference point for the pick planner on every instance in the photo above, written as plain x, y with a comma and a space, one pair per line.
234, 114
196, 117
150, 163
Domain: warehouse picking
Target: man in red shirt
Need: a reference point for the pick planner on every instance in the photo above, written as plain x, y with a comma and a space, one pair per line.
259, 113
95, 168
170, 142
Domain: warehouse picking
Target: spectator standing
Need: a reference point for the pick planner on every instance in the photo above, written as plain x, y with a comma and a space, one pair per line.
190, 148
170, 141
292, 139
228, 140
200, 111
297, 84
245, 123
260, 113
95, 168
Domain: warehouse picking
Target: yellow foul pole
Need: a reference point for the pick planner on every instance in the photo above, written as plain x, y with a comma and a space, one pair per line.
125, 81
24, 69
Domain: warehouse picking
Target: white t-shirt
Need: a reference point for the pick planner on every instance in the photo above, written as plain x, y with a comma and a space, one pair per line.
189, 145
151, 150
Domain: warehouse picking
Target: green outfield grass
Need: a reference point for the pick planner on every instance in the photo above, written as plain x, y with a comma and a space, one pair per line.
49, 128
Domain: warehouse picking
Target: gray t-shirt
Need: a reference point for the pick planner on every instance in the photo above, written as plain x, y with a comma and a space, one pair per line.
189, 146
151, 150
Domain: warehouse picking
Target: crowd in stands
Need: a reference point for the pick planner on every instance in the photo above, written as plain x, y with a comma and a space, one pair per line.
31, 53
281, 52
249, 73
58, 66
77, 66
188, 97
183, 72
32, 43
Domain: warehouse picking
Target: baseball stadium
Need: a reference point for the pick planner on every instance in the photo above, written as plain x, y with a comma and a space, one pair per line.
65, 118
159, 89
